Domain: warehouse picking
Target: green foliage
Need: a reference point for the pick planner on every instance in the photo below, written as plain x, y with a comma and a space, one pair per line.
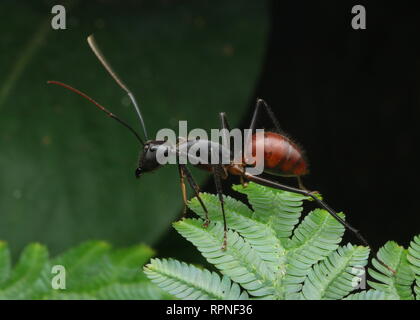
93, 270
189, 282
260, 261
414, 258
270, 255
367, 295
334, 277
398, 285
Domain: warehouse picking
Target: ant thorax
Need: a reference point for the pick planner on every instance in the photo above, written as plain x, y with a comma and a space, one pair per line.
202, 152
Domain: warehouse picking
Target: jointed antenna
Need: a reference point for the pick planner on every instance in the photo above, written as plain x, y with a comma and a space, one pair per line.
105, 63
109, 113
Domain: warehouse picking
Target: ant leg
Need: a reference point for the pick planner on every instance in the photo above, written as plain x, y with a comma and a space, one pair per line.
196, 189
218, 183
218, 171
301, 186
244, 183
252, 126
183, 189
261, 102
276, 185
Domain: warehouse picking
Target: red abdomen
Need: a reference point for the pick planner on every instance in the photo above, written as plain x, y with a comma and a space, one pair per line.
281, 155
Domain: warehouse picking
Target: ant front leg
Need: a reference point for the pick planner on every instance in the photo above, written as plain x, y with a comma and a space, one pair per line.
196, 189
185, 172
302, 187
183, 189
218, 171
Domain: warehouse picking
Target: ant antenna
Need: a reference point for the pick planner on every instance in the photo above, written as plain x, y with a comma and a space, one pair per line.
92, 43
110, 114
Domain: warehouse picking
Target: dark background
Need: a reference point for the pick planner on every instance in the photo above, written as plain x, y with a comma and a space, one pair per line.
351, 98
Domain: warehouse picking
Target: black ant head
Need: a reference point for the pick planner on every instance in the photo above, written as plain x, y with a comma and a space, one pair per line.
148, 157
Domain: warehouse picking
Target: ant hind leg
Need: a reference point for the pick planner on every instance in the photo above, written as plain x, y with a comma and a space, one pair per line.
302, 187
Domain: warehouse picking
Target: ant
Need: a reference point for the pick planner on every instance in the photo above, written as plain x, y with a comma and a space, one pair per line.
282, 156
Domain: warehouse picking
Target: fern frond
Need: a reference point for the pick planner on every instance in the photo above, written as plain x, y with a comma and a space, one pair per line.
267, 255
239, 261
337, 275
315, 238
132, 257
91, 271
279, 209
131, 291
260, 236
125, 263
93, 266
86, 265
190, 283
367, 295
60, 295
396, 286
414, 258
25, 279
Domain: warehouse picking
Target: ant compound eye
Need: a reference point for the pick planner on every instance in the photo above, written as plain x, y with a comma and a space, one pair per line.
138, 172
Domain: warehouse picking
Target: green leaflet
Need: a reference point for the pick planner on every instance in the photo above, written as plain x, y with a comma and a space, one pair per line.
239, 261
337, 275
116, 291
25, 278
367, 295
82, 265
279, 209
315, 238
396, 286
5, 263
190, 283
260, 236
414, 258
93, 270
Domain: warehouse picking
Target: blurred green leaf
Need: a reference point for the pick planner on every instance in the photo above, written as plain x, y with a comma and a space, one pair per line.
91, 270
67, 172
